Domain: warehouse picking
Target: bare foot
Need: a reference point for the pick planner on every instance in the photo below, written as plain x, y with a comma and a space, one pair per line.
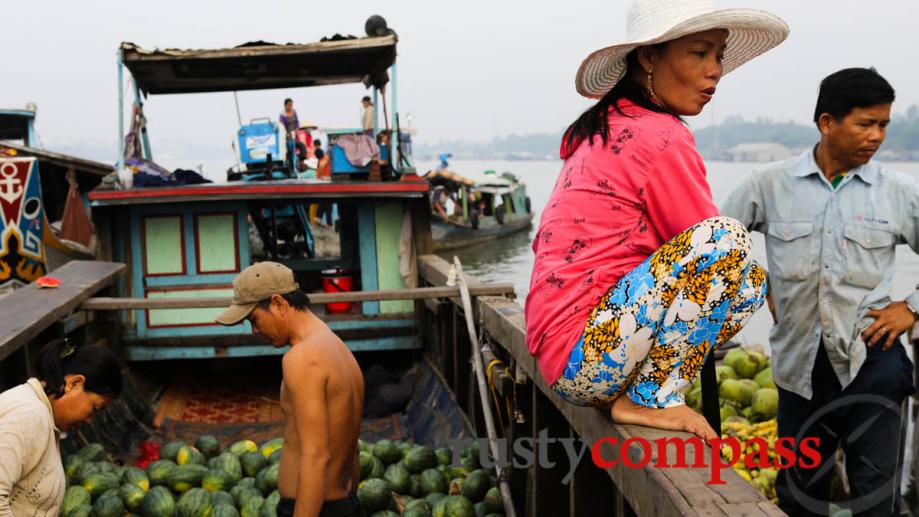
677, 418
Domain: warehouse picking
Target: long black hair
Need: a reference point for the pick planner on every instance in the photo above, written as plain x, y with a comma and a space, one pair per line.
596, 119
98, 364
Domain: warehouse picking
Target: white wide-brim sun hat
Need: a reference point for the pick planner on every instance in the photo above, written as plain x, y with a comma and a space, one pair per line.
751, 32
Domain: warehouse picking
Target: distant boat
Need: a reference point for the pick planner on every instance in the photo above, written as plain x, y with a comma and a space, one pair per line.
486, 206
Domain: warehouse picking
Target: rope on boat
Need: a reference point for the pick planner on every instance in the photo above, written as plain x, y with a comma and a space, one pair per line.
483, 395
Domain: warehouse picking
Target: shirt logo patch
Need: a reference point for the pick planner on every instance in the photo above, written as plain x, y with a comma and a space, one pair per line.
859, 218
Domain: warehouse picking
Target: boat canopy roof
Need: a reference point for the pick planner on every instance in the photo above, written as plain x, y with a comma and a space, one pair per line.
14, 124
261, 65
477, 180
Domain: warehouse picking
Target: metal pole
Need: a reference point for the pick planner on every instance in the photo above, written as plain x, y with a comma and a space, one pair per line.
120, 111
376, 97
483, 388
394, 142
239, 117
145, 138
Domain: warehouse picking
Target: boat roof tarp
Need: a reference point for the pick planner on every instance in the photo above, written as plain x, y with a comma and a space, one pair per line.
469, 179
261, 65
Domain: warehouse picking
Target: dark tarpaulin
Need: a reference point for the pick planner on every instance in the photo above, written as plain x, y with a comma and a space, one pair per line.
260, 65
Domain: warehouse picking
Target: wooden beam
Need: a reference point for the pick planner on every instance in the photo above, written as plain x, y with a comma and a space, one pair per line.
649, 491
30, 310
420, 293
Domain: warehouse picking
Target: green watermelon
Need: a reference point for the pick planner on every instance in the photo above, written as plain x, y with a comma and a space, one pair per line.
137, 477
246, 482
403, 447
92, 452
244, 494
267, 479
363, 446
208, 445
185, 477
131, 496
106, 467
444, 456
221, 497
252, 463
418, 508
433, 481
454, 506
493, 501
158, 472
171, 450
469, 463
108, 505
270, 507
378, 468
374, 494
86, 469
433, 497
190, 456
98, 484
71, 464
84, 510
268, 448
365, 459
196, 502
243, 446
415, 487
417, 459
158, 502
387, 451
224, 510
74, 497
458, 472
476, 485
252, 506
216, 480
385, 513
275, 457
230, 464
398, 478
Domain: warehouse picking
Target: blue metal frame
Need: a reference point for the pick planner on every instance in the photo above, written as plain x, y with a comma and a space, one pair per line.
120, 110
367, 237
155, 353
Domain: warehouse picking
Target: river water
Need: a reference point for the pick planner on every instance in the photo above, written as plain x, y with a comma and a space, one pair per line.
511, 260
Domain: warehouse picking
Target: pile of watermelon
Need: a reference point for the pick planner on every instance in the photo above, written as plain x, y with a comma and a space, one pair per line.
399, 478
185, 481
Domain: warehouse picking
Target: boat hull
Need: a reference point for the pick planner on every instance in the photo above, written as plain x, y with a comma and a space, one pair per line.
448, 236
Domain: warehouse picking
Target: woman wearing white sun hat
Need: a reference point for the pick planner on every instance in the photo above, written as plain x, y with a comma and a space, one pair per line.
636, 277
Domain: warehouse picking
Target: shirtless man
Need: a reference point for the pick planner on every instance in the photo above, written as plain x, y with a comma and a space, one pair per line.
321, 394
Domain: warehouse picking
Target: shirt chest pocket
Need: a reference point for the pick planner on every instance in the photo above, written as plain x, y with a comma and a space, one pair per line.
868, 253
791, 253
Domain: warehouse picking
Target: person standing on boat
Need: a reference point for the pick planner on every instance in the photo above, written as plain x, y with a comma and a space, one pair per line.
832, 219
291, 123
71, 385
321, 395
636, 277
368, 117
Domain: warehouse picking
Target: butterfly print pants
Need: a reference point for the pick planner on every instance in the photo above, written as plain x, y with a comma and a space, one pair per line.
651, 332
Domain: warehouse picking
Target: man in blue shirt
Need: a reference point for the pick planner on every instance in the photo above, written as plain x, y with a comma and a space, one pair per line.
832, 220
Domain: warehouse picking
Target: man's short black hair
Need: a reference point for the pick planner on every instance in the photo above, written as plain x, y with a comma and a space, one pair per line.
366, 98
297, 299
319, 154
842, 92
288, 100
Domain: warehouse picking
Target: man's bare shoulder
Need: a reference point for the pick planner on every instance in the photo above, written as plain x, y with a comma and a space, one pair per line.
300, 364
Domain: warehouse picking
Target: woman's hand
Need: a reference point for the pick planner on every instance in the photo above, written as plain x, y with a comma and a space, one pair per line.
889, 323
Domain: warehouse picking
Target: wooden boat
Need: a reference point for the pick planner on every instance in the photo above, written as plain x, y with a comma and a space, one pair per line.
487, 206
168, 256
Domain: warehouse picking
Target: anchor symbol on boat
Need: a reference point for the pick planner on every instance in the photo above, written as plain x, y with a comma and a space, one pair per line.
10, 186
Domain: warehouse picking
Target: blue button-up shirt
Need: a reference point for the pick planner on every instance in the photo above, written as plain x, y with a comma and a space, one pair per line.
831, 257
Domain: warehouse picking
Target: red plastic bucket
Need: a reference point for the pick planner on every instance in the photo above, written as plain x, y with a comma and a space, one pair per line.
337, 281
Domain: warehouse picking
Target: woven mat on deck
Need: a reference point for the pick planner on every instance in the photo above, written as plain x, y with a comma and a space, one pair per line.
233, 402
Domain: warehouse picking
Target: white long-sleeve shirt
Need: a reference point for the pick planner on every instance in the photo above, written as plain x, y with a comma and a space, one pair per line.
32, 480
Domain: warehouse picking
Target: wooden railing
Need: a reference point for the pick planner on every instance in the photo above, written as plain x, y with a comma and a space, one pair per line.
617, 491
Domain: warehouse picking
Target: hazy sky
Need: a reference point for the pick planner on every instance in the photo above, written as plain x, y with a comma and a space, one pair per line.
467, 70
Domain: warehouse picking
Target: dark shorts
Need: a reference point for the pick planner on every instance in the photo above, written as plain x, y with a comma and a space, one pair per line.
347, 507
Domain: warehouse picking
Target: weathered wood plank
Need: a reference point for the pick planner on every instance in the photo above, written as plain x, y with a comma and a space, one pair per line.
746, 510
420, 293
30, 310
686, 489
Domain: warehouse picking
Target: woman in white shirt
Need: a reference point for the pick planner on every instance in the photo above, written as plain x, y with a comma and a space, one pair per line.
70, 386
